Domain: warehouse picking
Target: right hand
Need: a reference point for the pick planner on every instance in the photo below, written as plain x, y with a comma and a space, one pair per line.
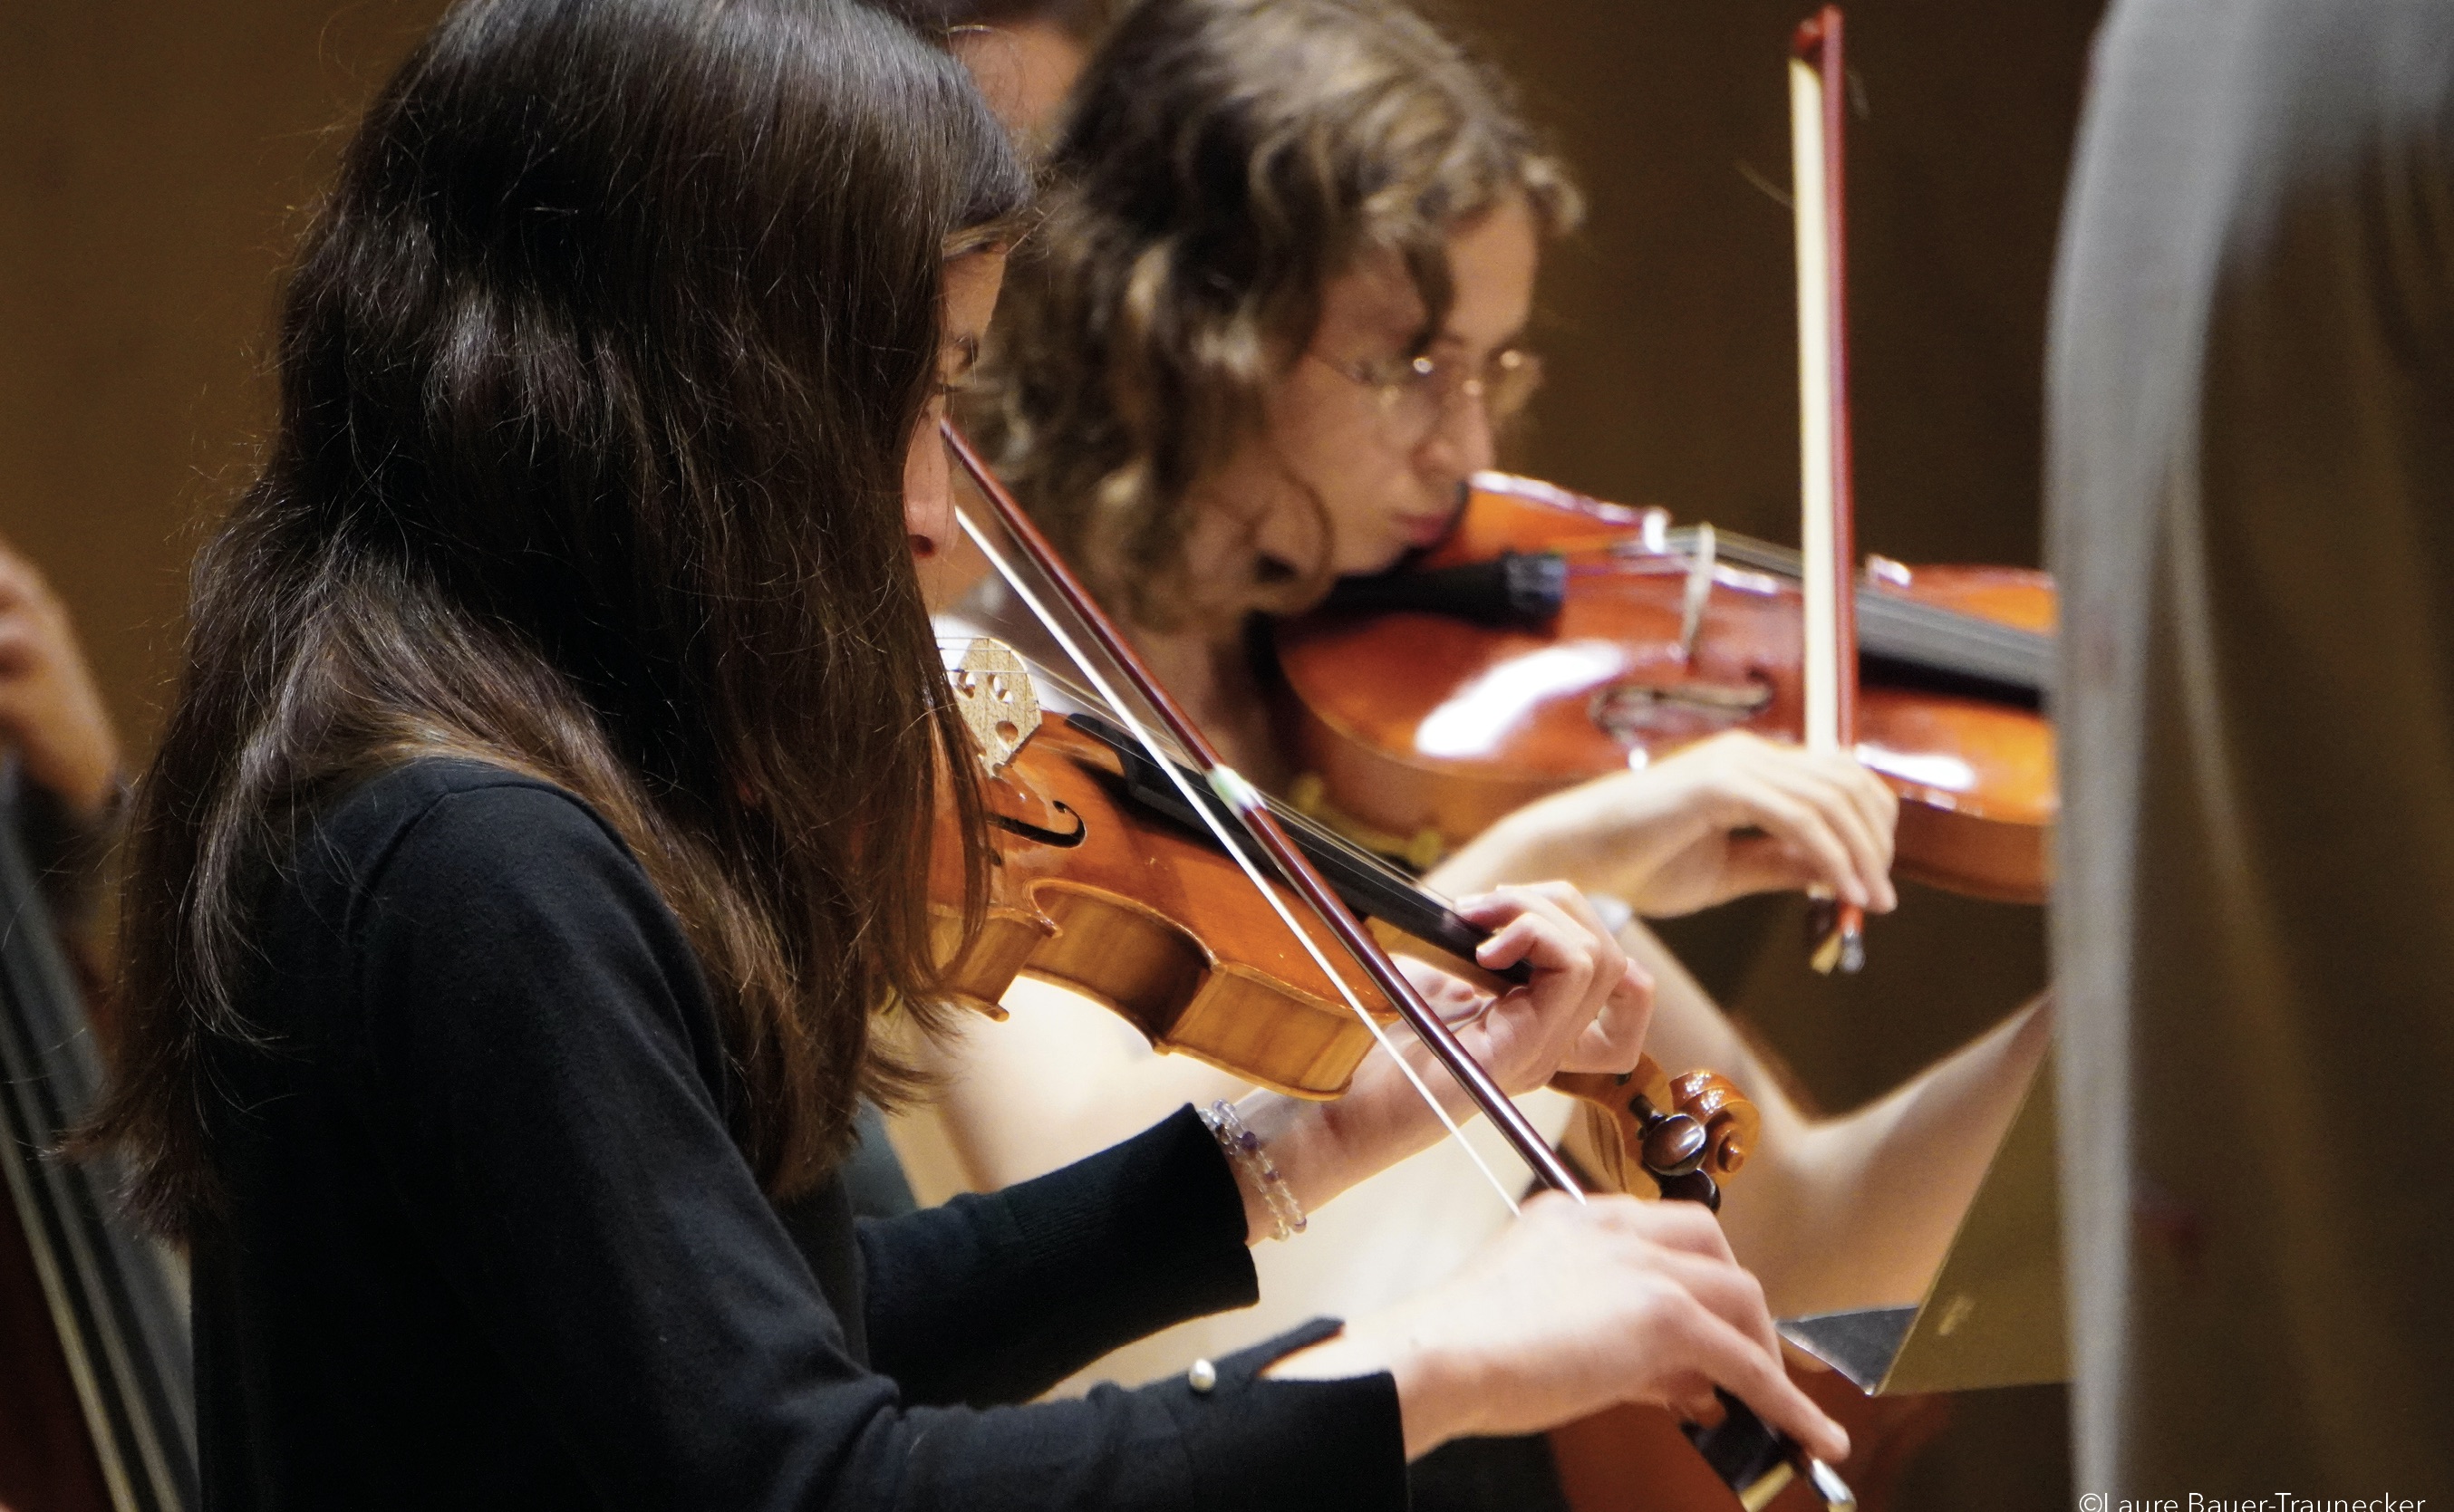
1571, 1310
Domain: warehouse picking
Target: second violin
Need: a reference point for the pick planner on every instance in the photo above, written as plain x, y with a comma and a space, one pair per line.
1554, 638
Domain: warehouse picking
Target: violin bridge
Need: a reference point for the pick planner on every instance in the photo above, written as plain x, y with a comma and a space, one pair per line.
994, 695
1701, 566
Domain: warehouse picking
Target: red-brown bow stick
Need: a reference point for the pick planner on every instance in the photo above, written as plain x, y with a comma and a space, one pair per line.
1817, 88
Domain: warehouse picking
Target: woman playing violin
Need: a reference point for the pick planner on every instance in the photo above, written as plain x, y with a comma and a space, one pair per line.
541, 831
1272, 321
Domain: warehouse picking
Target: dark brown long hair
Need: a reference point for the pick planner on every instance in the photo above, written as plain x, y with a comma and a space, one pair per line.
598, 370
1219, 163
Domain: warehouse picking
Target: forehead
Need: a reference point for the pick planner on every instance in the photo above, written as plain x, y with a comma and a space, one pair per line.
1491, 264
1373, 293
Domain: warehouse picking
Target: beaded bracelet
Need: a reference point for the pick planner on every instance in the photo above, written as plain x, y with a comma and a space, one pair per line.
1246, 1152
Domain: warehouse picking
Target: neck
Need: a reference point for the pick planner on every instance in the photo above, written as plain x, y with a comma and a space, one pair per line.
1210, 675
1206, 665
1242, 517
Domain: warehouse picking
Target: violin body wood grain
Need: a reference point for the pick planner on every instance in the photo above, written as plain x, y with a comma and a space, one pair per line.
1140, 914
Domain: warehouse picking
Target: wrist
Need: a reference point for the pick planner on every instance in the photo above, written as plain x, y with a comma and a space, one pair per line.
1302, 1142
1382, 1117
1320, 1149
1272, 1209
1438, 1395
1586, 835
1513, 848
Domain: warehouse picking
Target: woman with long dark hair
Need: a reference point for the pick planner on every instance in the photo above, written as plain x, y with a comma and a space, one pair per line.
541, 828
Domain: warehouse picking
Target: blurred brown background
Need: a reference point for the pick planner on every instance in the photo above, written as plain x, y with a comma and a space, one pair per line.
154, 158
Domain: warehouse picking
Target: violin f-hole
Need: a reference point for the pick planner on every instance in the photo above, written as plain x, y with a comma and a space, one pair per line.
1060, 839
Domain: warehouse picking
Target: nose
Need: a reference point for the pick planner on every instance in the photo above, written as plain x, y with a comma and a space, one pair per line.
928, 489
1459, 443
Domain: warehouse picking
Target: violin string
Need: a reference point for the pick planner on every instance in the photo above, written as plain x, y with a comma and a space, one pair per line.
1953, 638
1614, 562
1930, 627
1782, 561
1381, 867
1328, 838
1014, 579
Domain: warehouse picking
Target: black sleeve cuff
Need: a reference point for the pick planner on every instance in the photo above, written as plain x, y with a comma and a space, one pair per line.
1293, 1443
996, 1298
1163, 1210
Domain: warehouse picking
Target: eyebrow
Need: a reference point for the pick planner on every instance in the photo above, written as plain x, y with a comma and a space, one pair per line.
1514, 339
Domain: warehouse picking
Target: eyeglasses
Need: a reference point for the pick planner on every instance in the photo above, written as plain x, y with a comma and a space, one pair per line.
1416, 393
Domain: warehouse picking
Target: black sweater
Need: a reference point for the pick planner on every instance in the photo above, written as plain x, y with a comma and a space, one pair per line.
490, 1243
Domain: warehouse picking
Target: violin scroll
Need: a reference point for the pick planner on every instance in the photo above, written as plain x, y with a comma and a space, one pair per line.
1708, 1131
1731, 1122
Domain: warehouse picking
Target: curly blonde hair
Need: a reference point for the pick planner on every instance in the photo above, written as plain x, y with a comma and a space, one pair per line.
1220, 161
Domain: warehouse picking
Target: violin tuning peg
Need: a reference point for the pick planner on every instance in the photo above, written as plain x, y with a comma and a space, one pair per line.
1695, 1186
1676, 1146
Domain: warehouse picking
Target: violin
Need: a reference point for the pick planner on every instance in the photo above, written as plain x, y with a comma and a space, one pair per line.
1553, 638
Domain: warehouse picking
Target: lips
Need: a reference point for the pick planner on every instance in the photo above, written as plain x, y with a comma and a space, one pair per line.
1421, 529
